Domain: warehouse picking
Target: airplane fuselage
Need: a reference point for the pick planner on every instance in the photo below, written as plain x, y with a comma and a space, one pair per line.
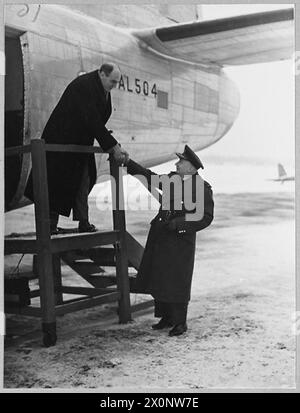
160, 104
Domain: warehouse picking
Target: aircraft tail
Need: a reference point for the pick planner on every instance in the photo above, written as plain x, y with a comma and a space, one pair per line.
281, 171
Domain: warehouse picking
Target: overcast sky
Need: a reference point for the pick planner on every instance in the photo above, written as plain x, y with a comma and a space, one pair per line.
265, 126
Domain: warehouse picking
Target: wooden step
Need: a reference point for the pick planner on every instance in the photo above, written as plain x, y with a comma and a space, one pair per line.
27, 244
111, 279
90, 271
101, 256
83, 268
86, 268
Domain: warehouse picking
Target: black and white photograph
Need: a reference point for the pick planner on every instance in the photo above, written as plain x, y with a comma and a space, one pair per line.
148, 214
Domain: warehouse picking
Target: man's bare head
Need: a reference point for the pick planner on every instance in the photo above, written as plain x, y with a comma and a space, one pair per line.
110, 75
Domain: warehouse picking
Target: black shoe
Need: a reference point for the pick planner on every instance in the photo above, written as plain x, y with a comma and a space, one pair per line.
178, 330
87, 227
162, 324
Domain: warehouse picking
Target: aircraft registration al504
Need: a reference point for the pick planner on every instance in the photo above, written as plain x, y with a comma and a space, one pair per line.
173, 90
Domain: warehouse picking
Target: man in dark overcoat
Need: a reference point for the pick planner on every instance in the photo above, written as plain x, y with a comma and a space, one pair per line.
79, 118
167, 265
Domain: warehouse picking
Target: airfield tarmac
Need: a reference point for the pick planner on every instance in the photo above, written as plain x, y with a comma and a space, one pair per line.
240, 316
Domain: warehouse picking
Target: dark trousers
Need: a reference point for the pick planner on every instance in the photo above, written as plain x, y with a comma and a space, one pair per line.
81, 207
175, 313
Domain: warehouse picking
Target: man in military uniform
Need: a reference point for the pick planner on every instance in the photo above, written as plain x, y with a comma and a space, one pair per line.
167, 265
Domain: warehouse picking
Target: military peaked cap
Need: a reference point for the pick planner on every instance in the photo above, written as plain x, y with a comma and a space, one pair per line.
189, 155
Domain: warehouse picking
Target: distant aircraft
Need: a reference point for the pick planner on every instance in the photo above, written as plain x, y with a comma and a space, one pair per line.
282, 175
173, 88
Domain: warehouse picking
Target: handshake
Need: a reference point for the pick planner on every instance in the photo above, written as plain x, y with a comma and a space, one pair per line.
120, 155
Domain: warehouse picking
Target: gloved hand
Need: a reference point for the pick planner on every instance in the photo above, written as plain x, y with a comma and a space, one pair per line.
172, 225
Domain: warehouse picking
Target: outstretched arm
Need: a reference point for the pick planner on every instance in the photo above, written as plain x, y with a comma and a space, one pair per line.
152, 184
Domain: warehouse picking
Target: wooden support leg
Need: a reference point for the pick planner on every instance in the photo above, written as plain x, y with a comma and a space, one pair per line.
44, 255
57, 279
47, 298
121, 247
123, 282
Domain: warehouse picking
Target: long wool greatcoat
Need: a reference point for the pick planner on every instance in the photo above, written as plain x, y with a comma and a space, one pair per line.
167, 265
78, 118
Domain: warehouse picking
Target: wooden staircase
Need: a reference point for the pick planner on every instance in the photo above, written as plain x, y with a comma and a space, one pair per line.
89, 263
85, 253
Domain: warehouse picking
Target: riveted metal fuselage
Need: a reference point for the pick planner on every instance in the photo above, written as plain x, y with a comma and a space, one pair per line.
160, 104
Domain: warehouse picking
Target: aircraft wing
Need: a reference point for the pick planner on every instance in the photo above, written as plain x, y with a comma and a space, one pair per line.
254, 38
